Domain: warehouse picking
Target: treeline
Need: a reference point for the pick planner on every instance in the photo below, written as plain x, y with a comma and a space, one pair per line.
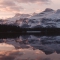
15, 28
12, 29
9, 28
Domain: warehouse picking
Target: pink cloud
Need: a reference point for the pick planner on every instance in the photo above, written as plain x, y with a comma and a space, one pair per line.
11, 5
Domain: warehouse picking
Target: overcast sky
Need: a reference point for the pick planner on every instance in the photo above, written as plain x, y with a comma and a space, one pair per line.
9, 8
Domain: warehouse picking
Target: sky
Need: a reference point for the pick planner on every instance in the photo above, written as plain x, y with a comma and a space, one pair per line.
8, 8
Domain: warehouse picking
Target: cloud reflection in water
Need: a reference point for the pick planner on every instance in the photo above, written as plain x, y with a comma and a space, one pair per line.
30, 48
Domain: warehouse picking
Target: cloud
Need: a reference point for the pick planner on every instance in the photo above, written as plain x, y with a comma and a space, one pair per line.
32, 1
9, 6
7, 3
14, 5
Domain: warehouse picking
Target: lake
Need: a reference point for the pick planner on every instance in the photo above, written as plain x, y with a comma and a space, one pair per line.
30, 47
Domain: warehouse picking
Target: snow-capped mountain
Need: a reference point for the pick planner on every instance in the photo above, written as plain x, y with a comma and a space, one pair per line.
47, 18
18, 18
43, 14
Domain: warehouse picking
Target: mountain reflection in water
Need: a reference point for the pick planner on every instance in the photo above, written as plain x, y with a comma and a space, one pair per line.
29, 47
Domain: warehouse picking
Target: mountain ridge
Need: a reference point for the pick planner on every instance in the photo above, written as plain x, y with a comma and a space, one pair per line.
47, 18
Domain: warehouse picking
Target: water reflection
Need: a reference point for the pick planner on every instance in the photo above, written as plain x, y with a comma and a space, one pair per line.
29, 47
6, 47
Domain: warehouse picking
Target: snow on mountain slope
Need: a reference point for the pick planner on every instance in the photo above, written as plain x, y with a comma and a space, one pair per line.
55, 15
17, 17
43, 14
38, 17
48, 18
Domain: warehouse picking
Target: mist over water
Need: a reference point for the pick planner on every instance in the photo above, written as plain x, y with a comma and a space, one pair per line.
30, 47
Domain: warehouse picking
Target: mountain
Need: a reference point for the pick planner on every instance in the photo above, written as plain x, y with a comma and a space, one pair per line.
43, 14
48, 18
38, 18
17, 18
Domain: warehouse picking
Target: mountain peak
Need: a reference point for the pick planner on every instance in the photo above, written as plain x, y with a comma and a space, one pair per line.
17, 14
48, 10
21, 15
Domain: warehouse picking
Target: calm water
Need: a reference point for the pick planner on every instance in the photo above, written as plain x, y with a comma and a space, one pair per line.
30, 47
